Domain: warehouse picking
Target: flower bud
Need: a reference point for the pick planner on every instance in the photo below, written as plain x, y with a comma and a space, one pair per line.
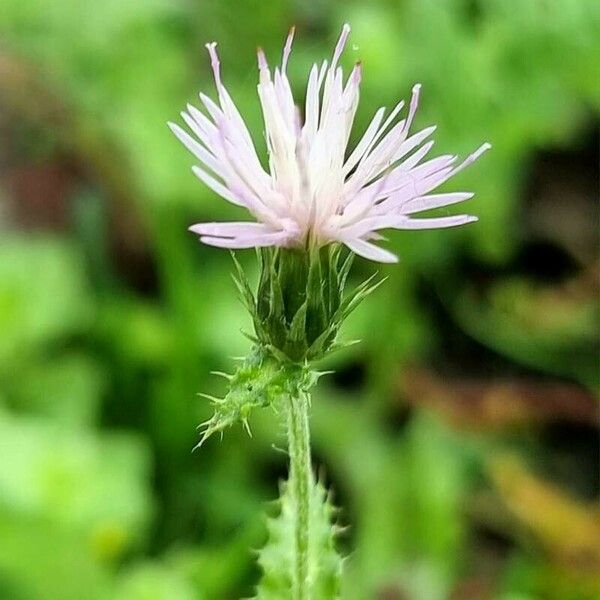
300, 303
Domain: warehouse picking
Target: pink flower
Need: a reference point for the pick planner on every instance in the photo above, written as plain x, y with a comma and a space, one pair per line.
311, 193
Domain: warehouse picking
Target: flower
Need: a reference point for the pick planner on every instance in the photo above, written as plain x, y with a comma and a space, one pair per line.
312, 194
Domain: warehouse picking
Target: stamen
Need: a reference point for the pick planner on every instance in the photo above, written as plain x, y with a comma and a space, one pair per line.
414, 103
340, 45
357, 72
389, 120
297, 121
262, 59
214, 63
287, 49
322, 73
471, 158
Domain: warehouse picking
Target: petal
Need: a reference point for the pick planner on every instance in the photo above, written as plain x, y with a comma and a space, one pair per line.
255, 241
365, 142
412, 188
230, 229
311, 110
213, 110
287, 49
399, 186
470, 159
370, 251
434, 201
435, 223
195, 147
412, 142
367, 225
339, 47
217, 187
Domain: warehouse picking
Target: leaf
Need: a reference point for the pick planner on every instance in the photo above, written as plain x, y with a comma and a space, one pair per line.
297, 330
345, 269
277, 557
317, 315
256, 383
323, 343
333, 290
357, 296
241, 282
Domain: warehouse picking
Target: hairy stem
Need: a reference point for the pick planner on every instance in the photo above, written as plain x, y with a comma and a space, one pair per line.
300, 485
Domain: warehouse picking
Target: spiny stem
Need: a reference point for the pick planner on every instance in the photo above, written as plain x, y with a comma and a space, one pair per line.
300, 482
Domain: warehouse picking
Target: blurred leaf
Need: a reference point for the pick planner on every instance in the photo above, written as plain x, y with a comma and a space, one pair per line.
155, 582
94, 487
40, 559
548, 513
66, 389
550, 329
43, 295
479, 404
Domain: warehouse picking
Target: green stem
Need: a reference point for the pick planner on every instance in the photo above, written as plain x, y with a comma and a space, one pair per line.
300, 482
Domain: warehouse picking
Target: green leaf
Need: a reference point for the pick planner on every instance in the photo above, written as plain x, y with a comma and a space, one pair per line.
256, 383
317, 314
243, 286
297, 331
277, 557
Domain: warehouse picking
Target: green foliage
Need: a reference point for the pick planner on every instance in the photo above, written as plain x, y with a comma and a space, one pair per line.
74, 501
43, 294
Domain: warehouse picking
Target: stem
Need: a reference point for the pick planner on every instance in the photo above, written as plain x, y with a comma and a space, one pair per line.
300, 484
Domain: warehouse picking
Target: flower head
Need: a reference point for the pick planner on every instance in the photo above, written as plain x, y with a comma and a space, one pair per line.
313, 193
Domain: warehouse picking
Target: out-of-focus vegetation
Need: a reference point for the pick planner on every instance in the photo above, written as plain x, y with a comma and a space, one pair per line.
460, 437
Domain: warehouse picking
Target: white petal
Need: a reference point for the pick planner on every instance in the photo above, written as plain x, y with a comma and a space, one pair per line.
437, 223
339, 48
311, 116
368, 225
286, 102
230, 229
379, 159
399, 186
365, 142
257, 241
205, 129
434, 201
287, 49
412, 188
412, 142
217, 187
471, 158
195, 147
370, 251
213, 110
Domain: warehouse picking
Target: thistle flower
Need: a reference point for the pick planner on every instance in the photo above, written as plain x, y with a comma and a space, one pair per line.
313, 193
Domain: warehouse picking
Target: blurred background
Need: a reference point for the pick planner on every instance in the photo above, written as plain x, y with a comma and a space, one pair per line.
460, 438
